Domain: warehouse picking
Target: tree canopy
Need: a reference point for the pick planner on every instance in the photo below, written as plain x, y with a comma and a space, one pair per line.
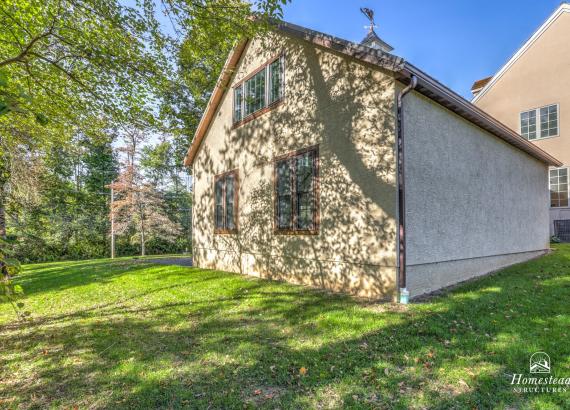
76, 77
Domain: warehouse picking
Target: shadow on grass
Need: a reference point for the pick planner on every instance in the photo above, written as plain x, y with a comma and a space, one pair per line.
223, 341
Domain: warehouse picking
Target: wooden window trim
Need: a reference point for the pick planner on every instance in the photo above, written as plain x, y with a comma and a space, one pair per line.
316, 194
266, 108
224, 231
258, 113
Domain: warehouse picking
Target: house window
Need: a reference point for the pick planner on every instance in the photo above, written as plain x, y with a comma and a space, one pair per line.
255, 93
549, 121
275, 80
528, 125
296, 192
226, 202
546, 126
238, 103
559, 187
260, 91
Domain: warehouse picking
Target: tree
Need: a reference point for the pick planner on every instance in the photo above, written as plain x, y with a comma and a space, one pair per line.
72, 69
4, 176
141, 210
208, 31
74, 65
159, 165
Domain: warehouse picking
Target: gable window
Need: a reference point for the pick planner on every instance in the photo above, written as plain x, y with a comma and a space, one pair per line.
259, 91
275, 73
528, 124
296, 192
540, 123
549, 121
226, 202
559, 187
238, 102
255, 93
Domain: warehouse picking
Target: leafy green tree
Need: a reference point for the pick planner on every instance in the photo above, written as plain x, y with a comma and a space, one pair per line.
86, 69
158, 163
9, 291
209, 29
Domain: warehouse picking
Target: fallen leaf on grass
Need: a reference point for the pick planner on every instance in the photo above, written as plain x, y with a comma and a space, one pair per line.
303, 371
463, 383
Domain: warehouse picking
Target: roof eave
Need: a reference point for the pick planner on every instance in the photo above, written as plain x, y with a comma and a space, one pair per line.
427, 86
214, 101
436, 91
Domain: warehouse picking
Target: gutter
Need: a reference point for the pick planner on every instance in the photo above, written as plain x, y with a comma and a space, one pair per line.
404, 294
442, 95
403, 71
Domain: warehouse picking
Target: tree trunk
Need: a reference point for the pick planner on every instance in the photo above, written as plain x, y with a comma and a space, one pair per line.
2, 215
3, 269
142, 238
4, 178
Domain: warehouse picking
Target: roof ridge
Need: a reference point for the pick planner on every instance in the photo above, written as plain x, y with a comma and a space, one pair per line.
562, 7
403, 71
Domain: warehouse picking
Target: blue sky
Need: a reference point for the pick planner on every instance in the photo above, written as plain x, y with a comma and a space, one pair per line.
456, 42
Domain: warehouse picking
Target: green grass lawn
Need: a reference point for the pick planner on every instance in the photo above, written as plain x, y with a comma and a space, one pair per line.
128, 334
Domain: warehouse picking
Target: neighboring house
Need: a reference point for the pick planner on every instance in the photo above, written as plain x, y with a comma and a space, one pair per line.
531, 94
295, 173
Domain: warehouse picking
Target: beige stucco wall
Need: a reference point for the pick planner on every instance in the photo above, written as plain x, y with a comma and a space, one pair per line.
474, 203
541, 76
348, 109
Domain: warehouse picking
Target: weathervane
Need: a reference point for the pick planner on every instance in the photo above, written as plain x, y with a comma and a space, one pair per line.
369, 13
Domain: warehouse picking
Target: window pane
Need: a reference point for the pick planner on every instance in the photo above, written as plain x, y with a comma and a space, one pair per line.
238, 99
304, 190
275, 80
559, 187
304, 211
255, 93
230, 202
284, 214
219, 207
549, 121
295, 180
528, 124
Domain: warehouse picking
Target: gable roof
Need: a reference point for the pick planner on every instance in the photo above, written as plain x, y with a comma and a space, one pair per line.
563, 8
373, 41
403, 72
479, 84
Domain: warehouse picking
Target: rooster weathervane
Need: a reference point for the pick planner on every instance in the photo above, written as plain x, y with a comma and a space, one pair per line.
369, 13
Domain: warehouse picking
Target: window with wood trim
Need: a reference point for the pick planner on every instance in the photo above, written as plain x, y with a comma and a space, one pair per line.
296, 192
260, 90
226, 202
